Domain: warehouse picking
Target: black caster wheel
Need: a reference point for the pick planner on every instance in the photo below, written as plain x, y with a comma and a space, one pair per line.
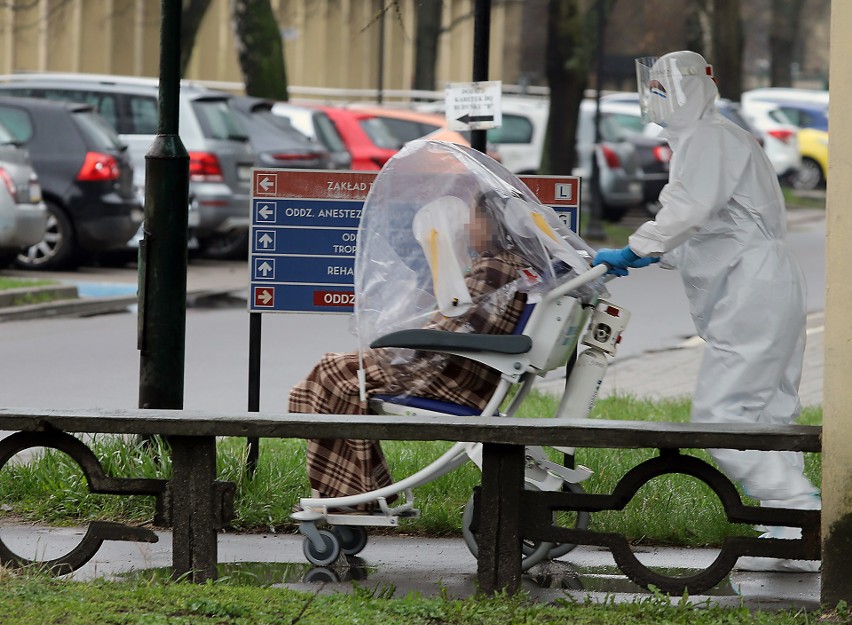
321, 575
580, 522
352, 538
329, 552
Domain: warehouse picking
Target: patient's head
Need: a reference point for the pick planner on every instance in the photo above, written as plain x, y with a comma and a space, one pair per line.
486, 232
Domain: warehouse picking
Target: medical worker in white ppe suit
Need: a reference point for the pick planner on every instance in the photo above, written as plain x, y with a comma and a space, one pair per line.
722, 224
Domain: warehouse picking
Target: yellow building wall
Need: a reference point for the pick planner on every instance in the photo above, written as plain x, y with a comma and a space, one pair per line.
328, 43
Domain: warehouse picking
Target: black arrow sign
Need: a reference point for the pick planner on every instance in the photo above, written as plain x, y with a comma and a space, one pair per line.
471, 119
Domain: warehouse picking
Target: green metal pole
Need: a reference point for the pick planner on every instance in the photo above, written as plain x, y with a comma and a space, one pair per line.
162, 253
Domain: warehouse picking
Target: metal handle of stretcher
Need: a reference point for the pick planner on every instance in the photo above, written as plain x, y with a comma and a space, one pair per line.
592, 274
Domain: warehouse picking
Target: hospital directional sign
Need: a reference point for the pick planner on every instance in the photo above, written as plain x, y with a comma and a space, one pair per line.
304, 228
473, 105
304, 232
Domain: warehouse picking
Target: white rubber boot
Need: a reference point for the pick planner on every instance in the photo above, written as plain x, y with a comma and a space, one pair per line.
755, 563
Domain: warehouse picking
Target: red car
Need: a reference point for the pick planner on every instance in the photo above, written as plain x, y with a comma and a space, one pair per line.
366, 137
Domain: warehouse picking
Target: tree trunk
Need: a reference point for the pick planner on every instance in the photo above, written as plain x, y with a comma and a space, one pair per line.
426, 43
190, 22
728, 45
783, 39
570, 53
259, 49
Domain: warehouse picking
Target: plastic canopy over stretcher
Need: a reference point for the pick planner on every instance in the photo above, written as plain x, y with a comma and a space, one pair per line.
414, 240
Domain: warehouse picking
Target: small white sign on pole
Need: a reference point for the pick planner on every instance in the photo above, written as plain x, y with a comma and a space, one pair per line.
474, 105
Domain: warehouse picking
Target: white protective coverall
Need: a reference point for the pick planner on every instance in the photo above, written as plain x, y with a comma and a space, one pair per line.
722, 224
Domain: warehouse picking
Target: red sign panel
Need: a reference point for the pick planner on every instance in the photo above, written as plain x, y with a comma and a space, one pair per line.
327, 185
264, 296
334, 299
554, 190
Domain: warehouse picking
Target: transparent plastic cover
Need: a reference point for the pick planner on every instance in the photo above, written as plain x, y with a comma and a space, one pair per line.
432, 211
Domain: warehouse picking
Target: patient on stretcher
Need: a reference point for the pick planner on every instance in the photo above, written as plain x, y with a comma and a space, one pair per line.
452, 250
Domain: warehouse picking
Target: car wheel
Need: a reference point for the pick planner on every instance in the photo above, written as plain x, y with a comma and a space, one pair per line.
809, 176
57, 249
231, 245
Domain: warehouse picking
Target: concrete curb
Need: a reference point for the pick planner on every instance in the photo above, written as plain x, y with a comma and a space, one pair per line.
11, 297
89, 307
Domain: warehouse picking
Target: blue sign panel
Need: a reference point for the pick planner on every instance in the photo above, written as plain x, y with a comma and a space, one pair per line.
304, 231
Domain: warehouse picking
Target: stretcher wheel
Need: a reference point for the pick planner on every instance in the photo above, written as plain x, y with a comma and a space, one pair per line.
531, 550
329, 552
352, 538
580, 523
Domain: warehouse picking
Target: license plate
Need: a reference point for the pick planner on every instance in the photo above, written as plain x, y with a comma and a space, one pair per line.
243, 172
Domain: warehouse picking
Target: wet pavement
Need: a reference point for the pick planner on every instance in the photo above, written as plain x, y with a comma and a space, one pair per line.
399, 565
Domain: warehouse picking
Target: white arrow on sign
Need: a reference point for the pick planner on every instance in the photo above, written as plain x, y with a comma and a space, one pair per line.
265, 297
265, 183
265, 212
264, 268
265, 240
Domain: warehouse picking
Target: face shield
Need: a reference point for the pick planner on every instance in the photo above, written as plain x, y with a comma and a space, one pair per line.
664, 83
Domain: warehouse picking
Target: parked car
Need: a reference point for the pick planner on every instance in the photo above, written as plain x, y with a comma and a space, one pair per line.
220, 156
407, 125
367, 138
520, 137
813, 146
86, 179
806, 108
316, 126
273, 138
780, 136
624, 118
733, 111
621, 181
23, 215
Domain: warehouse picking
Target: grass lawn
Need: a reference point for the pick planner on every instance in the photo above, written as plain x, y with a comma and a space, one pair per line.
33, 599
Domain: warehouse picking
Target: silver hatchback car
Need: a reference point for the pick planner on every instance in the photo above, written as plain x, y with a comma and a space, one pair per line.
221, 158
620, 181
23, 214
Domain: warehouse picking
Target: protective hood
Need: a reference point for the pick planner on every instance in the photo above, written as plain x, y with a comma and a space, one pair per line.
675, 90
433, 210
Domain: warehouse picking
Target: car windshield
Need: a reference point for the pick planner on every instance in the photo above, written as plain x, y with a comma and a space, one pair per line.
327, 133
97, 130
218, 121
379, 133
269, 131
619, 127
5, 136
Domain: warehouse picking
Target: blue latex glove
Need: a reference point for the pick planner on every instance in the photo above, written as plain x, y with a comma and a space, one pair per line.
620, 260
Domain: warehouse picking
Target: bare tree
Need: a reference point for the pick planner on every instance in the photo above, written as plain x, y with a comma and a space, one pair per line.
259, 48
571, 44
426, 43
728, 43
783, 40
